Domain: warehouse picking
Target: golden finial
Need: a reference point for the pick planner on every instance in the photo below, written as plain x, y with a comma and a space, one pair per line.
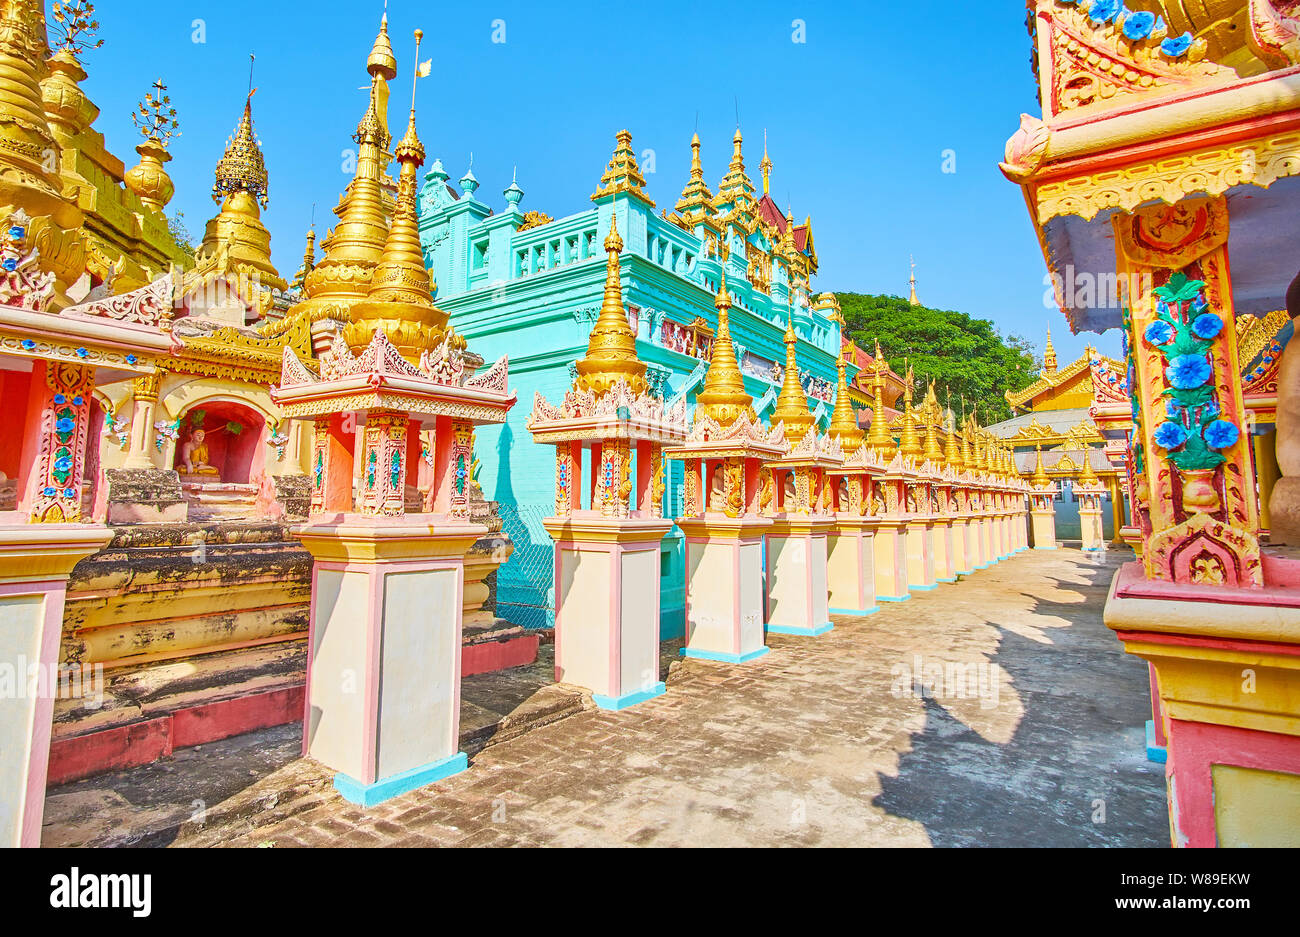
1049, 354
1040, 478
73, 27
381, 62
623, 174
696, 195
611, 348
844, 421
735, 186
242, 167
155, 118
723, 397
766, 165
399, 300
913, 300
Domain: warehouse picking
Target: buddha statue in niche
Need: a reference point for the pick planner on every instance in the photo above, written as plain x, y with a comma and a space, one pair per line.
194, 458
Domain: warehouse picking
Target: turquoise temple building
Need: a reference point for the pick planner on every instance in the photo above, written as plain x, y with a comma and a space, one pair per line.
528, 285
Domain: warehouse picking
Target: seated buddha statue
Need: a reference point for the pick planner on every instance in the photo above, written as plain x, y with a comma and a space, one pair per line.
194, 458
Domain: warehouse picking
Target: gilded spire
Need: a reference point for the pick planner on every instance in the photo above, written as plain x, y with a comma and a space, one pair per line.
1040, 478
1088, 476
909, 441
765, 167
611, 349
951, 452
696, 195
792, 402
242, 168
623, 174
382, 63
308, 261
735, 188
912, 299
844, 422
399, 300
1049, 355
235, 241
967, 458
353, 248
723, 397
930, 410
879, 439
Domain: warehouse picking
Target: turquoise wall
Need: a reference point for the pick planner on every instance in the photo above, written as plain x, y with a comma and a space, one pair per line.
534, 295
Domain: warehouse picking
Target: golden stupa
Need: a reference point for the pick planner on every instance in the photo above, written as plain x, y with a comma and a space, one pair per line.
611, 348
355, 246
909, 442
235, 240
723, 398
844, 421
879, 439
792, 402
399, 301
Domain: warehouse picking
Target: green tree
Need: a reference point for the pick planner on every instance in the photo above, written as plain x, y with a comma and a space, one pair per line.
963, 356
180, 233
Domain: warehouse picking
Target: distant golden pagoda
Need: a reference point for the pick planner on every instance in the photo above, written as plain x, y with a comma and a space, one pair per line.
723, 397
308, 261
792, 402
611, 348
236, 245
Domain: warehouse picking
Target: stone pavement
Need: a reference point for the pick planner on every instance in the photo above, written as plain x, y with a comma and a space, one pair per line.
1036, 739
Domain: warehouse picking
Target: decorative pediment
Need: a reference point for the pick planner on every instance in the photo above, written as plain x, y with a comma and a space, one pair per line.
148, 305
619, 402
1100, 54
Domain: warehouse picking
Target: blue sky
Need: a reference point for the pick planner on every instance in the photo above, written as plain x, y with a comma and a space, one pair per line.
858, 118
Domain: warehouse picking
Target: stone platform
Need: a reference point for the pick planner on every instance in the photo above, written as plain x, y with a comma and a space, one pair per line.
822, 742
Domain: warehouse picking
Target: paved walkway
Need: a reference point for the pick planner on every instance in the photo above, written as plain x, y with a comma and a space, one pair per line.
1036, 739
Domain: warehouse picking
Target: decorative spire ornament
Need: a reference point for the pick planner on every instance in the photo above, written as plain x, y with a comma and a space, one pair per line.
723, 397
792, 402
879, 439
844, 421
611, 347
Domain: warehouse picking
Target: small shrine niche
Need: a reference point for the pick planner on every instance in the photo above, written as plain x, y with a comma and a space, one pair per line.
219, 442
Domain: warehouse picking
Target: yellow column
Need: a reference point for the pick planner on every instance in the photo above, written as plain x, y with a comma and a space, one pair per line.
142, 432
1266, 472
1116, 509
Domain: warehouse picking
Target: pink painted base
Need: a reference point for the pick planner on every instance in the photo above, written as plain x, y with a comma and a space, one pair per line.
1281, 586
1194, 749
